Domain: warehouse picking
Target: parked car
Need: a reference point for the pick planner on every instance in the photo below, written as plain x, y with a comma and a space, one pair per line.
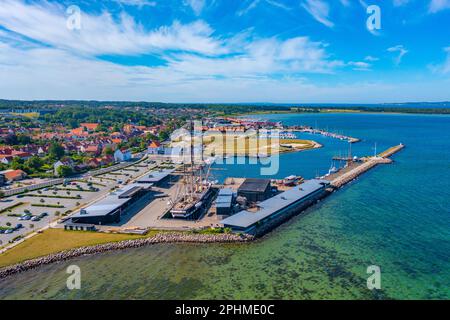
19, 226
35, 218
2, 230
9, 231
43, 214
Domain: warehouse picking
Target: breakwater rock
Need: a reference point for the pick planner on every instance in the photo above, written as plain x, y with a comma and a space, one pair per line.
127, 244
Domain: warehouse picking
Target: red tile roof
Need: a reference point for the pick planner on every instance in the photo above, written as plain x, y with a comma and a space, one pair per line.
14, 174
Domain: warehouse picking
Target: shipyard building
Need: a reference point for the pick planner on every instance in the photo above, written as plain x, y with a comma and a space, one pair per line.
255, 190
224, 202
277, 208
109, 209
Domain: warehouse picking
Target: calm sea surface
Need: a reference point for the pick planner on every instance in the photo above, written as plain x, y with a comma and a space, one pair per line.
396, 217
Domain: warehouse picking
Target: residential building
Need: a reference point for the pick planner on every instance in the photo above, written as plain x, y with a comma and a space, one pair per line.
155, 148
122, 155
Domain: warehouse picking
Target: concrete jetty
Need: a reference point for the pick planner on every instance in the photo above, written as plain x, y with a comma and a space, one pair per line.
352, 171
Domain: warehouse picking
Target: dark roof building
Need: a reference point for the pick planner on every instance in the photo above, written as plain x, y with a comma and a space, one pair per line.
255, 190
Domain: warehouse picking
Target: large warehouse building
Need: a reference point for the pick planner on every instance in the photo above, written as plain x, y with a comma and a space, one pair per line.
109, 209
284, 204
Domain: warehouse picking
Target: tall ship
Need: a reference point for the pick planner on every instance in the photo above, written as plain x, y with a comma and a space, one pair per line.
195, 191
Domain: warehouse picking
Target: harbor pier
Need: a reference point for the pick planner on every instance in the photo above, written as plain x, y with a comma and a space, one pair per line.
354, 170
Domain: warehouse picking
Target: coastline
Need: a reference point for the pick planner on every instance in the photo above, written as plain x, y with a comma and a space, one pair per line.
175, 237
445, 112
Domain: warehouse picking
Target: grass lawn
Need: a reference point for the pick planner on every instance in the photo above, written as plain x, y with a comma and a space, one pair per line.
242, 145
56, 240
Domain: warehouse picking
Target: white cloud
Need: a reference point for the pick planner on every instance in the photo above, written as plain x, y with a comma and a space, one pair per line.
261, 58
401, 52
67, 62
399, 3
252, 5
443, 68
438, 5
137, 3
360, 65
249, 5
48, 73
371, 59
196, 5
101, 34
320, 10
278, 4
41, 59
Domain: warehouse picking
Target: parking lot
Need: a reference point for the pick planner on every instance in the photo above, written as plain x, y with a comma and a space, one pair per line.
59, 201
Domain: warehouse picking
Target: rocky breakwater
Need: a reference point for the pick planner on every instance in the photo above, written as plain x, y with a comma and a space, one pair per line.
101, 248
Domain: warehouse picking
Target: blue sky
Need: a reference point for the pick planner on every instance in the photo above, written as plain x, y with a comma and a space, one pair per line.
285, 51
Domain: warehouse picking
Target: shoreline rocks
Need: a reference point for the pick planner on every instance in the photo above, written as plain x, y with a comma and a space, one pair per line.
127, 244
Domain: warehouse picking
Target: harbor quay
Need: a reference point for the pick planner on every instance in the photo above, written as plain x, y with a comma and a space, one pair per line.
263, 214
240, 205
160, 193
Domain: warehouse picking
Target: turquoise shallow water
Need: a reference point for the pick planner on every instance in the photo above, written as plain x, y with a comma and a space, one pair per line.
396, 217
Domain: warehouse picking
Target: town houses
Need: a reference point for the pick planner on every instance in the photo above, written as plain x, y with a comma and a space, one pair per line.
33, 148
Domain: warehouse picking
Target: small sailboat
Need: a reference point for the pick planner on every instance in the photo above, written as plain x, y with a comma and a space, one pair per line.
332, 169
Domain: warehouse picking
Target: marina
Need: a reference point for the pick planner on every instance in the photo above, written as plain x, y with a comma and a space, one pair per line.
354, 224
290, 130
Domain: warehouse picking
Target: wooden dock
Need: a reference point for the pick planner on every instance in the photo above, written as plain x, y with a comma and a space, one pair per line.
351, 172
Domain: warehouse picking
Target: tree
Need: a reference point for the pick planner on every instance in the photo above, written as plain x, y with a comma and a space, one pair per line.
11, 139
150, 137
34, 164
17, 163
101, 128
116, 128
23, 139
109, 151
64, 171
56, 151
164, 135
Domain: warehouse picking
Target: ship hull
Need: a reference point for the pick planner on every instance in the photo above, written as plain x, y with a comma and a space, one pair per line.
195, 210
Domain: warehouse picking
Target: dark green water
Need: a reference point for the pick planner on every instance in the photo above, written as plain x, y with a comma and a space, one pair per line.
396, 217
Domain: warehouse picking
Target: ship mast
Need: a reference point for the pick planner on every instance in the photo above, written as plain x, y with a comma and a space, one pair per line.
192, 176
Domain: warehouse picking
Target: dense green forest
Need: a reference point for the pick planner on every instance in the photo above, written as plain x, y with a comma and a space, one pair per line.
131, 110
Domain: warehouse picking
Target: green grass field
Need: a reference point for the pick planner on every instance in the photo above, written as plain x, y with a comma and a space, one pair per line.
57, 240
